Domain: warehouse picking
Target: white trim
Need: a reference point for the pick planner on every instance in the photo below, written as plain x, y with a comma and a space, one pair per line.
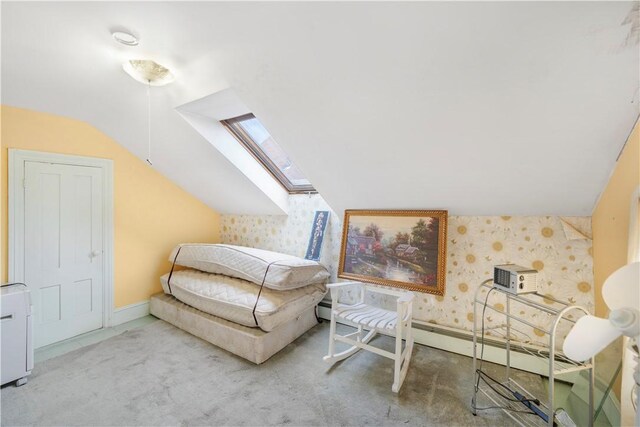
17, 159
130, 312
223, 105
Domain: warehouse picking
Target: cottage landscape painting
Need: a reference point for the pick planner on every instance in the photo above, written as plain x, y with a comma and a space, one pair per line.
404, 249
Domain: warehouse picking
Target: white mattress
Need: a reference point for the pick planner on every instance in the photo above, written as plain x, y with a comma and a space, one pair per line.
233, 299
253, 344
284, 271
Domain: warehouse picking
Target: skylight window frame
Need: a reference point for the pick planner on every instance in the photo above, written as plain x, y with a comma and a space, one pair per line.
233, 126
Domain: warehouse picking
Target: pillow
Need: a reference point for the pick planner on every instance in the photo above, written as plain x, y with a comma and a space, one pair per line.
283, 272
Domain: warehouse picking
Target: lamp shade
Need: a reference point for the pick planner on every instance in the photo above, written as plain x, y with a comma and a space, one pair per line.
148, 72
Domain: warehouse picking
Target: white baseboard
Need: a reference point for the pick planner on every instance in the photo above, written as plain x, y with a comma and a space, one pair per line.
130, 312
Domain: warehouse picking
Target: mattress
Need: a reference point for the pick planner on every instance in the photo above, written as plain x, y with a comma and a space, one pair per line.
283, 272
233, 299
252, 344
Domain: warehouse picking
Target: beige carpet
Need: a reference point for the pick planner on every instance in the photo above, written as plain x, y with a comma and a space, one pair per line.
160, 375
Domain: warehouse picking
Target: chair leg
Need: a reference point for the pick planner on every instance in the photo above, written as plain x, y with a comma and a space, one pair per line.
409, 342
408, 349
402, 356
397, 380
332, 336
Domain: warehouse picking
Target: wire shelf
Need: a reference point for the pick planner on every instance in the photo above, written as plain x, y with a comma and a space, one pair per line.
517, 411
545, 359
561, 363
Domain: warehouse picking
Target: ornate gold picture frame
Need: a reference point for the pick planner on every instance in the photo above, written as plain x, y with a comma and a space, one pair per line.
402, 248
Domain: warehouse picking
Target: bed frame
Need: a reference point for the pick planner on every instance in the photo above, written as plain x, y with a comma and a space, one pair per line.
252, 344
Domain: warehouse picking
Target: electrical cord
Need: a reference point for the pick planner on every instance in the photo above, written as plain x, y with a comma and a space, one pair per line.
13, 283
264, 279
172, 267
484, 374
506, 408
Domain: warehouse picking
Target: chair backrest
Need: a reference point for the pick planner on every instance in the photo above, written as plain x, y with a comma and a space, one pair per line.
381, 290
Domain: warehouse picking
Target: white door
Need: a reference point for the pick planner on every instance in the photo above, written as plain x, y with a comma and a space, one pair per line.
63, 245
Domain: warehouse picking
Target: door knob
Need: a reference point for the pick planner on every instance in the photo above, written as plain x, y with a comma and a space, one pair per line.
94, 254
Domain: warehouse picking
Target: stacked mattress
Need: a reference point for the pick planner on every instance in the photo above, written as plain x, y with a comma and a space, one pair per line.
234, 299
250, 287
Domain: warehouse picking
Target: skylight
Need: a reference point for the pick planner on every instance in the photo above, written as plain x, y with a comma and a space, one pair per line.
257, 140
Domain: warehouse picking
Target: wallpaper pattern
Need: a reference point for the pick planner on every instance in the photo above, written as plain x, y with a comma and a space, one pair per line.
474, 246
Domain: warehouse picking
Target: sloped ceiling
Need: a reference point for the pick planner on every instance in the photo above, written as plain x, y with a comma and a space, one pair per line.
479, 108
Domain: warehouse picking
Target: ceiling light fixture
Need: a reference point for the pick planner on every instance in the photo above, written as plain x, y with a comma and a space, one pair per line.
126, 39
150, 73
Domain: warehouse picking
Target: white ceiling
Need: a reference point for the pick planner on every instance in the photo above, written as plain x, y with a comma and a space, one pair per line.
479, 108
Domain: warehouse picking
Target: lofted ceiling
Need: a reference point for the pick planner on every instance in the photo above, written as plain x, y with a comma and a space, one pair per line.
512, 108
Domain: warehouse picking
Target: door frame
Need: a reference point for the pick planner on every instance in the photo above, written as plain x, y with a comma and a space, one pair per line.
16, 208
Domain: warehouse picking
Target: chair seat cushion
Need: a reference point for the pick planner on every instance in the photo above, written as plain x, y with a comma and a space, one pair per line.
367, 315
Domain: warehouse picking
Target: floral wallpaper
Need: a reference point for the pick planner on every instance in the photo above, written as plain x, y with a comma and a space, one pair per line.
559, 248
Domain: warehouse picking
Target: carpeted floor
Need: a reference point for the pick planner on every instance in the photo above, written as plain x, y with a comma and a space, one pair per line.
160, 375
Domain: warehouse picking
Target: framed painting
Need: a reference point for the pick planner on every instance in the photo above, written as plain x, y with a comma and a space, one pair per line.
404, 248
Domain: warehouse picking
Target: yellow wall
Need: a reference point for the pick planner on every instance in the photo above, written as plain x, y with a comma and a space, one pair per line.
151, 214
611, 217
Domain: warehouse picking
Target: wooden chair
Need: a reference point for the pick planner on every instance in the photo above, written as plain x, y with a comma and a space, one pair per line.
376, 320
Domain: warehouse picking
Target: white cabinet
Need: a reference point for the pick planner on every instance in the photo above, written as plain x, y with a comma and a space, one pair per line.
16, 332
